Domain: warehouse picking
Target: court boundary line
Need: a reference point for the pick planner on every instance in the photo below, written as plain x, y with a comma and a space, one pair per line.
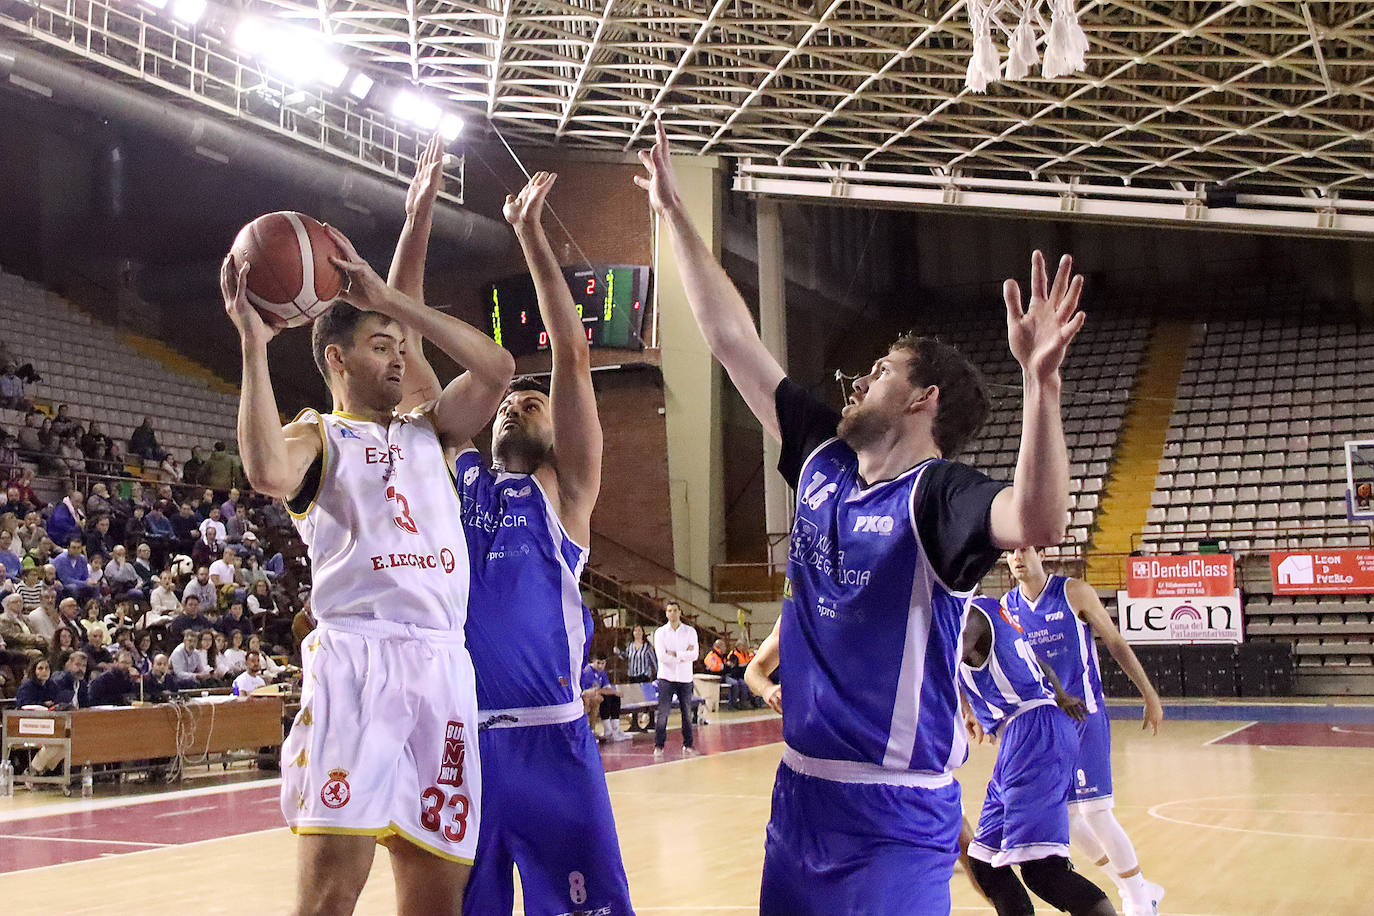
99, 804
1237, 730
139, 852
72, 839
1153, 811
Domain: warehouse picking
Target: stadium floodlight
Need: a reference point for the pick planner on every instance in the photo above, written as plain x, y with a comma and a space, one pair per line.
188, 11
251, 36
406, 105
294, 55
333, 72
360, 86
451, 126
428, 115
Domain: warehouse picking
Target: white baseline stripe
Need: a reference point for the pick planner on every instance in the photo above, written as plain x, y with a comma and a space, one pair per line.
139, 852
78, 807
1239, 728
72, 839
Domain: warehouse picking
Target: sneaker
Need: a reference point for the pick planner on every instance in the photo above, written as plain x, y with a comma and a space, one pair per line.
690, 752
618, 735
1156, 894
658, 752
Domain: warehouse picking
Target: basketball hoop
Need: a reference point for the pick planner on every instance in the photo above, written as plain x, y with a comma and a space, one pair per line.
1066, 45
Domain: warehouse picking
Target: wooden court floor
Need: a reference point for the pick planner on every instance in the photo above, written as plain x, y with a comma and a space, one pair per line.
1230, 829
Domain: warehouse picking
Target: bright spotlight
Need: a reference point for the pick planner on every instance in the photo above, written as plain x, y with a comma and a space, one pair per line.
156, 4
406, 106
362, 84
332, 72
251, 36
188, 11
451, 126
428, 116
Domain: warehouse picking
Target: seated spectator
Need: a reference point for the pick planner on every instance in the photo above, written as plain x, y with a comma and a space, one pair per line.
206, 502
251, 679
45, 620
235, 620
237, 526
93, 444
73, 685
9, 453
73, 571
186, 528
12, 393
249, 548
64, 423
42, 555
63, 641
227, 662
37, 688
167, 469
15, 502
202, 589
92, 620
16, 631
143, 442
260, 600
99, 540
191, 470
274, 516
113, 464
270, 669
600, 700
48, 445
68, 519
70, 461
98, 503
24, 484
142, 651
208, 649
117, 684
224, 571
220, 468
230, 506
120, 575
192, 618
162, 682
164, 602
30, 441
250, 574
123, 617
165, 500
29, 587
11, 561
31, 530
733, 687
187, 660
158, 530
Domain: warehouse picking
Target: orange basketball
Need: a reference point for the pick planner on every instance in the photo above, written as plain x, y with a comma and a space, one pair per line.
290, 281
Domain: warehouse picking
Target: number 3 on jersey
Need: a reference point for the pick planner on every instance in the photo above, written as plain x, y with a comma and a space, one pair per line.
432, 805
403, 521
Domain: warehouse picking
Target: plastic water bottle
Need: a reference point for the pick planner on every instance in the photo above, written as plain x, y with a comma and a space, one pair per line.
6, 778
87, 781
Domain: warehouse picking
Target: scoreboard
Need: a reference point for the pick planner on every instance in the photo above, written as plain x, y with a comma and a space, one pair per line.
611, 300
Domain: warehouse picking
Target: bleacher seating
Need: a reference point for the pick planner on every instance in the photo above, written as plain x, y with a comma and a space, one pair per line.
88, 365
1098, 377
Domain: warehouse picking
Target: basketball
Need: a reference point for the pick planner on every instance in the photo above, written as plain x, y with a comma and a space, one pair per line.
291, 281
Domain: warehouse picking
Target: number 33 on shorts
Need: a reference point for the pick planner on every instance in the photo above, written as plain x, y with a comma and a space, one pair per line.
435, 804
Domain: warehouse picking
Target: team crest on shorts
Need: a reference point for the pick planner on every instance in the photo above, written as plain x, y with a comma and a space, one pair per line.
336, 793
455, 750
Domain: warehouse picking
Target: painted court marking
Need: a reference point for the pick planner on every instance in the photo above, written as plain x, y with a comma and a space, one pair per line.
1200, 804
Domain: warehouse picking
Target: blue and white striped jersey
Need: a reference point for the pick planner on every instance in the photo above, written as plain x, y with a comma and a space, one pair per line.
1057, 635
527, 629
1009, 681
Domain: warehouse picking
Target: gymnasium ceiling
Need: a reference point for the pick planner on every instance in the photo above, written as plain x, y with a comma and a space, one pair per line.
1276, 97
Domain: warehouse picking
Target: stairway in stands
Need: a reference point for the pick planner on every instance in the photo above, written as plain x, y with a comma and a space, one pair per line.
1126, 497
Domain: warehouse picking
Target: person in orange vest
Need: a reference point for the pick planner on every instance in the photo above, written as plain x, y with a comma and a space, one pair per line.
718, 661
735, 664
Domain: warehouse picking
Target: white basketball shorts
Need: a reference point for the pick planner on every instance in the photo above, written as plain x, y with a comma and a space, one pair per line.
385, 743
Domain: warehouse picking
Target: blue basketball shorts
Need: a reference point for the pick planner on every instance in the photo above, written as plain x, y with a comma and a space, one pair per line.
552, 819
1092, 775
1026, 811
858, 849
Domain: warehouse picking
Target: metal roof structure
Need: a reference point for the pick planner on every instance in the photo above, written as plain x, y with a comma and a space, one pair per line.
1272, 97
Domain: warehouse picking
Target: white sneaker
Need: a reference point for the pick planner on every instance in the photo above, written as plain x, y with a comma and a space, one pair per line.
1156, 895
658, 752
618, 735
690, 752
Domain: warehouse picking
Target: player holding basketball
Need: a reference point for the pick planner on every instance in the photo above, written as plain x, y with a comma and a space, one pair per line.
1014, 697
890, 538
1060, 617
383, 748
528, 519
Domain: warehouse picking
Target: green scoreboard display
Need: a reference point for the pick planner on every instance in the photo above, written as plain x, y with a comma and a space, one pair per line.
611, 298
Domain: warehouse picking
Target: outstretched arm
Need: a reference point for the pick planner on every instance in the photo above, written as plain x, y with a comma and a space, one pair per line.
469, 401
420, 384
576, 427
1085, 603
1034, 510
716, 305
275, 458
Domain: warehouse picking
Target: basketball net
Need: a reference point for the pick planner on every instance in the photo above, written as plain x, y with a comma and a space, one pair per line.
1066, 45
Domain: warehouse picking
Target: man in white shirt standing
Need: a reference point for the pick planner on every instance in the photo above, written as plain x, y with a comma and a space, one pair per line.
675, 644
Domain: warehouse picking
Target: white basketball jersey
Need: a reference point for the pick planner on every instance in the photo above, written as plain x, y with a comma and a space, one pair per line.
385, 526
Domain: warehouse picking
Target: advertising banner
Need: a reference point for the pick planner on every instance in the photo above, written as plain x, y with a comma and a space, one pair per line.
1322, 572
1181, 576
1180, 621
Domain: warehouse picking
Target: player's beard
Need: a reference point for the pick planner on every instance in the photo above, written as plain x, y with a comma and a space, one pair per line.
518, 452
860, 428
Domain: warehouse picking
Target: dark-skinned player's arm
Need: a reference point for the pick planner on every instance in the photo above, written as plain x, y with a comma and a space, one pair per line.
420, 384
1034, 510
716, 305
975, 642
572, 399
1066, 701
761, 667
275, 457
467, 402
1085, 603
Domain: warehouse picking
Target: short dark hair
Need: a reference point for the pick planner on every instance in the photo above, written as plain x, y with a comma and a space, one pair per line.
338, 325
599, 656
527, 383
964, 403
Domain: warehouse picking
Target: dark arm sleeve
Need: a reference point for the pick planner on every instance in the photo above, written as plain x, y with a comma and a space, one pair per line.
953, 516
805, 423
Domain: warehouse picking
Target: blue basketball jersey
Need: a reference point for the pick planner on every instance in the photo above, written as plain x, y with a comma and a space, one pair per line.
527, 629
1060, 638
1009, 681
869, 632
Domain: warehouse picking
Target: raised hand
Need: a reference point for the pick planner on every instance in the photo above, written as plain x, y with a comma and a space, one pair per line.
1040, 333
363, 288
524, 210
428, 180
233, 284
661, 182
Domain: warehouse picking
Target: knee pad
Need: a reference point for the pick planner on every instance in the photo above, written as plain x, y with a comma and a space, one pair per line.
1054, 881
1002, 888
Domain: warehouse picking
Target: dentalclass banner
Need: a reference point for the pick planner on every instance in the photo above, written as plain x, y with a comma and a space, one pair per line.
1181, 576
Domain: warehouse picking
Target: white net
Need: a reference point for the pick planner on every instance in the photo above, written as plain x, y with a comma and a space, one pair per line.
1066, 45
